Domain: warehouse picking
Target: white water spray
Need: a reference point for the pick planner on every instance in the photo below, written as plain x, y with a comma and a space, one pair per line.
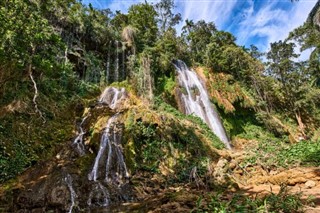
196, 101
73, 195
123, 75
112, 96
115, 167
108, 65
116, 70
78, 142
103, 144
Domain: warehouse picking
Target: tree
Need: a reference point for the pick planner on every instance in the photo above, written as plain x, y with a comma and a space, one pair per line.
254, 52
166, 18
198, 36
297, 97
143, 18
281, 63
308, 37
219, 52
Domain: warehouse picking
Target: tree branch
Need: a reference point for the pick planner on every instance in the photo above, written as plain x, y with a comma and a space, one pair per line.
35, 94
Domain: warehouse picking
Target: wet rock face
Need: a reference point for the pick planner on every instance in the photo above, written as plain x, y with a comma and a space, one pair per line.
49, 190
112, 96
181, 105
60, 185
44, 193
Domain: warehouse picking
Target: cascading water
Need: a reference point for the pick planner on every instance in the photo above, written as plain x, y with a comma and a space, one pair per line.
123, 75
109, 170
78, 141
116, 70
115, 169
62, 185
73, 195
112, 96
105, 140
196, 101
108, 65
109, 173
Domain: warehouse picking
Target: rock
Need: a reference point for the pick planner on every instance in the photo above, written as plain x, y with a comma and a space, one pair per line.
310, 184
220, 172
233, 164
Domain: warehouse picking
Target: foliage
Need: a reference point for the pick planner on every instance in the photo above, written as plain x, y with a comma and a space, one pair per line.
280, 202
167, 145
269, 151
67, 50
143, 18
14, 159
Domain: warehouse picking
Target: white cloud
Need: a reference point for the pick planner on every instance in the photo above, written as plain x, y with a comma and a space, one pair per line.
217, 10
268, 21
123, 5
272, 22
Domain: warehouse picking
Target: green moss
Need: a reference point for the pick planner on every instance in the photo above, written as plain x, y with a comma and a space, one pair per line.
84, 163
25, 138
163, 143
130, 153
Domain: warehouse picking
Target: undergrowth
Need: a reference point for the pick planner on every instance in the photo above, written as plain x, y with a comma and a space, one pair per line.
268, 150
270, 203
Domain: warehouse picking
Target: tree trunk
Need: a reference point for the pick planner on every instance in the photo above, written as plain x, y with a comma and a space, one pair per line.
300, 123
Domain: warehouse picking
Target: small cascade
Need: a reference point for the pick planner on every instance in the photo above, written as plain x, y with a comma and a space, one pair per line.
116, 70
108, 65
73, 195
109, 174
78, 141
112, 96
115, 167
196, 101
123, 74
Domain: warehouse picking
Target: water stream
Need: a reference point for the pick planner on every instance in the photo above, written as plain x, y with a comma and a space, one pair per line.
108, 64
116, 70
195, 100
78, 141
110, 142
112, 96
123, 75
73, 195
109, 172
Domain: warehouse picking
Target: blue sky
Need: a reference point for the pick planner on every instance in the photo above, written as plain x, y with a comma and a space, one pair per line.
257, 22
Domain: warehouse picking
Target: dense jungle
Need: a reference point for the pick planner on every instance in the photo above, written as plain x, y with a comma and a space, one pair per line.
106, 111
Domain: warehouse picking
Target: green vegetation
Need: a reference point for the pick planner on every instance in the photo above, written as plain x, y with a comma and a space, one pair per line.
280, 202
56, 56
168, 144
270, 151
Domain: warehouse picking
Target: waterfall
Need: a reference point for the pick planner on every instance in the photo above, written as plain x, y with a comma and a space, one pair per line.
103, 145
196, 101
78, 142
115, 167
116, 70
112, 96
123, 75
73, 195
108, 65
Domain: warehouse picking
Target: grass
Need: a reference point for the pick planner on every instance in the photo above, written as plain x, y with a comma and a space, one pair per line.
271, 203
272, 151
162, 106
